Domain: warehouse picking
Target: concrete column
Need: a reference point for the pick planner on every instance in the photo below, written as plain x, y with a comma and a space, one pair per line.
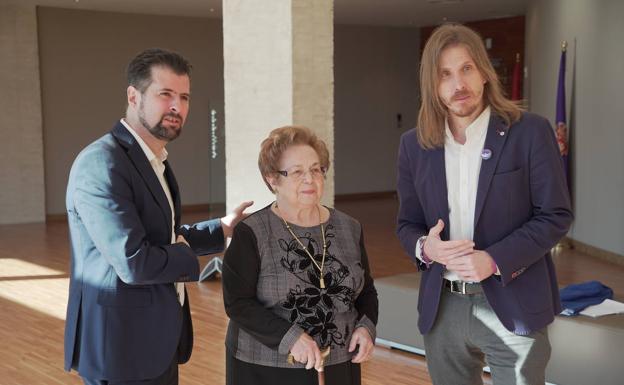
22, 187
278, 70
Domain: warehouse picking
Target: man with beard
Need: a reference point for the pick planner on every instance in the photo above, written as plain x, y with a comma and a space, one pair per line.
128, 318
483, 199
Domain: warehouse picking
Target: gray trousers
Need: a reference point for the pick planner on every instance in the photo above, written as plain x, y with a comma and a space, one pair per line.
467, 334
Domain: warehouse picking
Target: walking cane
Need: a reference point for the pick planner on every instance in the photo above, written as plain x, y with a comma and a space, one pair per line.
321, 372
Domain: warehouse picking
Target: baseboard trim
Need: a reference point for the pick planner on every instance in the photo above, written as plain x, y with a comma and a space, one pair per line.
56, 218
219, 207
363, 196
186, 209
594, 251
204, 207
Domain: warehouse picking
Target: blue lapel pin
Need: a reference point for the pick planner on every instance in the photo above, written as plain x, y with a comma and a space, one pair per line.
486, 154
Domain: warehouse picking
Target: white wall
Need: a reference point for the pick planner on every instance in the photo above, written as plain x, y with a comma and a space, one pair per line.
376, 75
595, 80
21, 156
84, 55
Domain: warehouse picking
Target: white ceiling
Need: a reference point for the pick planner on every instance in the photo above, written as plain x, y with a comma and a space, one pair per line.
416, 13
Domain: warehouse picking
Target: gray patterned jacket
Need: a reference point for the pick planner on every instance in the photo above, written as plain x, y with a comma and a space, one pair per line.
272, 292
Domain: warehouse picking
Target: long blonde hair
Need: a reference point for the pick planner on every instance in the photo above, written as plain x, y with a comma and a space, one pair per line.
433, 112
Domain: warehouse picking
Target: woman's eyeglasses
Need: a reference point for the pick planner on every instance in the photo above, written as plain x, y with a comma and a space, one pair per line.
297, 173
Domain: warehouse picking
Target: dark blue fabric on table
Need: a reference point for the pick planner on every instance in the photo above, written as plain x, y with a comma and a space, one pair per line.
576, 297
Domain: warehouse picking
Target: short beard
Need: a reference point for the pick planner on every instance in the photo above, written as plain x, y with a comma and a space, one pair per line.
464, 112
159, 130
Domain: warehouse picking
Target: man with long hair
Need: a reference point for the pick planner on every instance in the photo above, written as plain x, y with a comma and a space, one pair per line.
483, 199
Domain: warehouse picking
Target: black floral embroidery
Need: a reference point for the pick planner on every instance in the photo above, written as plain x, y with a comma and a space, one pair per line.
313, 308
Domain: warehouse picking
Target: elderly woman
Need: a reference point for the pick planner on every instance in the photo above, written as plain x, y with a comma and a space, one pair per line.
296, 281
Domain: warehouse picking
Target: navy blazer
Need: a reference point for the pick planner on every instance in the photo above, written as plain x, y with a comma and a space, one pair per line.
124, 320
522, 210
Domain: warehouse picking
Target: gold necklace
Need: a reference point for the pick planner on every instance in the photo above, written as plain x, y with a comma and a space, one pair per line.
320, 268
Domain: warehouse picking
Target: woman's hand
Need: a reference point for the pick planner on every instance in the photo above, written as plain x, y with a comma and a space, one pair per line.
306, 351
362, 338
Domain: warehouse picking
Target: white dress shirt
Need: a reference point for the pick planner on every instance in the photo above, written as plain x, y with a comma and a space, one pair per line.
158, 164
462, 165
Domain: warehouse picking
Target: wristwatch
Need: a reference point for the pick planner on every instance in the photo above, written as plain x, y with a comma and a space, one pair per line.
421, 246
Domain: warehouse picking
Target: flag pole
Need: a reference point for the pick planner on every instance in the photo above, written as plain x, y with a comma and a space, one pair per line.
561, 131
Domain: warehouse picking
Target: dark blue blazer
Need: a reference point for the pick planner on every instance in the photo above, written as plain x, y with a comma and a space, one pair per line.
522, 210
124, 320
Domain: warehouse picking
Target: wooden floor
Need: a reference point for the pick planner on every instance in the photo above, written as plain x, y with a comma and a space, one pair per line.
34, 261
